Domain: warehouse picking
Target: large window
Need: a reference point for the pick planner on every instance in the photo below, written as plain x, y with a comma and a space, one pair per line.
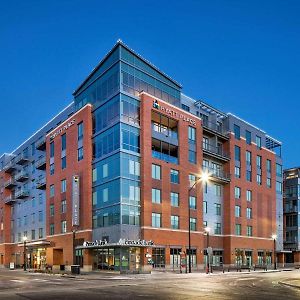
80, 131
156, 171
63, 226
174, 222
258, 142
248, 137
249, 213
237, 132
164, 151
217, 228
130, 109
249, 195
237, 192
278, 170
238, 229
218, 209
174, 199
192, 134
52, 149
237, 153
174, 176
237, 211
130, 138
63, 186
105, 217
63, 142
164, 125
156, 220
193, 202
248, 158
193, 224
130, 215
159, 257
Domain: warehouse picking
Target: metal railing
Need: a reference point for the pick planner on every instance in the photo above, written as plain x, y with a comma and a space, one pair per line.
23, 193
40, 143
214, 126
41, 162
165, 157
165, 131
21, 175
9, 183
41, 182
22, 158
9, 199
215, 150
220, 174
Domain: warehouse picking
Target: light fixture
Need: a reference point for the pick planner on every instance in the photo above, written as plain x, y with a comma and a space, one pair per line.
207, 229
205, 177
274, 236
24, 238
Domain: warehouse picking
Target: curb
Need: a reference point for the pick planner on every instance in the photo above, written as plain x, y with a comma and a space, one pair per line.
289, 285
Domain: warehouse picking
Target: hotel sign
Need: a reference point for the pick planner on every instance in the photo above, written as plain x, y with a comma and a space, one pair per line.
174, 113
75, 200
62, 129
121, 242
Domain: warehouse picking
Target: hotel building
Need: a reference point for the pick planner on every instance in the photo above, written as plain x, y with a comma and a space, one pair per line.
123, 183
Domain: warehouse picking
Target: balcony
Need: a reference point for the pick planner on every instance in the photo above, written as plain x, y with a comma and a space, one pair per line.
9, 184
9, 200
215, 151
22, 176
41, 183
41, 144
41, 163
21, 194
21, 159
217, 175
215, 128
165, 157
289, 210
9, 167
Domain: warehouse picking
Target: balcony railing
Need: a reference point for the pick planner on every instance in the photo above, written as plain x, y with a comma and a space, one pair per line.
9, 184
41, 163
22, 176
22, 159
41, 144
9, 167
293, 209
165, 157
215, 150
217, 174
214, 126
9, 200
165, 131
22, 194
41, 183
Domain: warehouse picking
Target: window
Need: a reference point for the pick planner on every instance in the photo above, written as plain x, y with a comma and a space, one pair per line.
248, 158
25, 220
33, 234
192, 179
193, 224
174, 222
52, 190
258, 179
237, 192
156, 220
237, 172
218, 190
41, 233
248, 137
80, 154
192, 135
63, 142
105, 195
174, 199
218, 209
217, 228
278, 187
238, 229
63, 226
249, 195
51, 169
80, 131
40, 198
249, 175
134, 167
258, 142
269, 166
156, 196
63, 206
237, 211
237, 132
192, 156
33, 218
52, 229
63, 162
40, 216
249, 230
258, 162
156, 171
278, 170
174, 176
269, 182
51, 210
52, 149
63, 186
249, 213
205, 207
192, 202
237, 153
185, 107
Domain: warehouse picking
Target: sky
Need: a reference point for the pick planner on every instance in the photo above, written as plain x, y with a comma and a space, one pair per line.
242, 57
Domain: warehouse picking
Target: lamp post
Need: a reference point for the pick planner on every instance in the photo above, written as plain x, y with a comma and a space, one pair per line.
274, 237
204, 178
207, 230
24, 253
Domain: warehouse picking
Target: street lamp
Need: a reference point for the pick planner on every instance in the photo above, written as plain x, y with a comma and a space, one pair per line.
207, 230
24, 253
274, 237
204, 177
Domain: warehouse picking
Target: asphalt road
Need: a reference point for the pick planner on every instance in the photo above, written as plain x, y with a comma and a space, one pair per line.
254, 285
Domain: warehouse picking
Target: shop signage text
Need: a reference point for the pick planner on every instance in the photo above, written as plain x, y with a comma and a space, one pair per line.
173, 113
75, 200
122, 242
60, 130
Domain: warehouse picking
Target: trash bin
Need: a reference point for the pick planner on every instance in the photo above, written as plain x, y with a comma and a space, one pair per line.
75, 269
62, 267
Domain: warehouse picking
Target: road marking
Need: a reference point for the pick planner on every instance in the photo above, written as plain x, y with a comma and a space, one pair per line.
242, 279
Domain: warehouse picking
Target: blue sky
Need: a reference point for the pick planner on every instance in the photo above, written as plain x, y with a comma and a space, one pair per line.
239, 56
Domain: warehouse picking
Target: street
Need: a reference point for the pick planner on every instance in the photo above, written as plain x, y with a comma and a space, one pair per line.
255, 285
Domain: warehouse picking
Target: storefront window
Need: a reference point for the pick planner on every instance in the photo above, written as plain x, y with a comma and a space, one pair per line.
158, 256
175, 257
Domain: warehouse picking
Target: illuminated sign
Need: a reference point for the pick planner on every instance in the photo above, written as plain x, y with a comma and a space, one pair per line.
173, 113
75, 200
121, 242
60, 130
